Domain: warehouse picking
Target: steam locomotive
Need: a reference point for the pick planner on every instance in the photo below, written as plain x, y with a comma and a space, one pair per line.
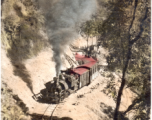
69, 80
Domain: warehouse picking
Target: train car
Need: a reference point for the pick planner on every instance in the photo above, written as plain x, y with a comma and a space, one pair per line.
83, 59
90, 63
70, 80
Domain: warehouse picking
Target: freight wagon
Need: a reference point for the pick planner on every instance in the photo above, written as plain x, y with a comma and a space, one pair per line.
69, 80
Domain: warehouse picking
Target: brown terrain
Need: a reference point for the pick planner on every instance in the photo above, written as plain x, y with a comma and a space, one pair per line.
88, 103
21, 79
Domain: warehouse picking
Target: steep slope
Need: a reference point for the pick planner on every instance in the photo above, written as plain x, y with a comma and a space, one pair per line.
27, 64
41, 68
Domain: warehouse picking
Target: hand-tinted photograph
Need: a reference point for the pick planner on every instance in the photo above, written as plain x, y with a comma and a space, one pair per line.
75, 59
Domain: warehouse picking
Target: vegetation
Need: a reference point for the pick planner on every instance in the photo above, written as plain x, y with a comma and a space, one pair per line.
91, 28
12, 107
22, 37
21, 26
124, 31
126, 34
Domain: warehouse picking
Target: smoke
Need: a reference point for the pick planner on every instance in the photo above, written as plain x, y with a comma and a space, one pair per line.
21, 71
63, 17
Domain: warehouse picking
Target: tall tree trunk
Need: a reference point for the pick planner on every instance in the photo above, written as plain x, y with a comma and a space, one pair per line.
128, 56
122, 84
125, 66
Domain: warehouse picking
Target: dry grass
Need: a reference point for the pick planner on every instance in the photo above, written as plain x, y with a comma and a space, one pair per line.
12, 109
21, 25
21, 39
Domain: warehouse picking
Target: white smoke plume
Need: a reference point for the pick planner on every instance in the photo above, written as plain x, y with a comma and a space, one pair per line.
62, 19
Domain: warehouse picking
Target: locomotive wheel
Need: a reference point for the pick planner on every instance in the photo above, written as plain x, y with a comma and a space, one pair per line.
64, 94
67, 94
57, 100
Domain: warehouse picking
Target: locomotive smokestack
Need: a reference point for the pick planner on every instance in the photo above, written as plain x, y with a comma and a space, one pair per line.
56, 80
58, 69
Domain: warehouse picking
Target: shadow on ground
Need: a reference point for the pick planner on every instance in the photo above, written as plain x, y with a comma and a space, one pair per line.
109, 111
41, 117
19, 68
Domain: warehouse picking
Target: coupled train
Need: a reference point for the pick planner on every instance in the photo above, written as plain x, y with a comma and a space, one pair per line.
69, 80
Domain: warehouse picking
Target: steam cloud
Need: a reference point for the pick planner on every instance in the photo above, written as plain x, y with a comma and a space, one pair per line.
62, 20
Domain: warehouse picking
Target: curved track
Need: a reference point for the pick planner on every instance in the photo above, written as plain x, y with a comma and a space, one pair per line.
50, 109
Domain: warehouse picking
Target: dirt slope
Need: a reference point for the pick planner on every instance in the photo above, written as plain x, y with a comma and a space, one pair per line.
91, 106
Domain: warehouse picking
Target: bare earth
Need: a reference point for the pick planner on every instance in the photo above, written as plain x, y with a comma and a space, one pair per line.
42, 70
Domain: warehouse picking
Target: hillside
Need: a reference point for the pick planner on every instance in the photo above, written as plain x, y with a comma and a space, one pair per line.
42, 70
28, 62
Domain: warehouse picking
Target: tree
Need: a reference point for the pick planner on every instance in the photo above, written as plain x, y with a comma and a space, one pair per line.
125, 34
91, 27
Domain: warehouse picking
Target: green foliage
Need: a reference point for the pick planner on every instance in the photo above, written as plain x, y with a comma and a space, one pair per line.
91, 28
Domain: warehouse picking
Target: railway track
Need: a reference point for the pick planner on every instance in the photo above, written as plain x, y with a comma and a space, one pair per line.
50, 110
52, 107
